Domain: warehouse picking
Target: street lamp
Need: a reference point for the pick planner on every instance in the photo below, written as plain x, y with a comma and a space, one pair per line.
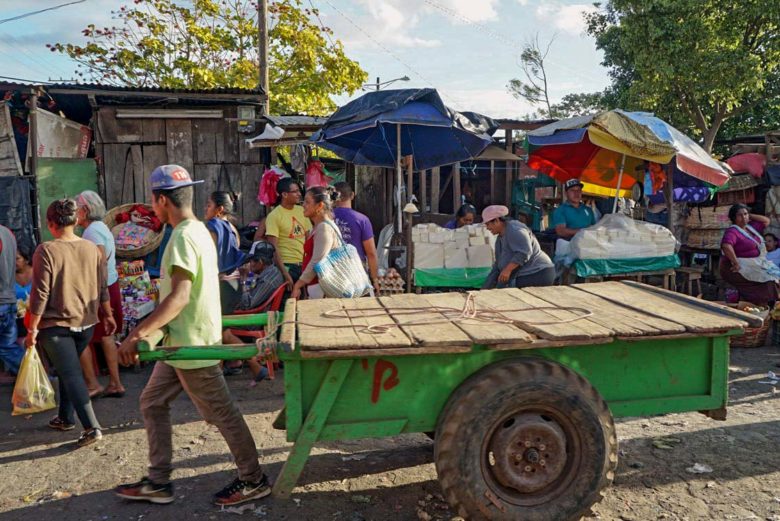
378, 85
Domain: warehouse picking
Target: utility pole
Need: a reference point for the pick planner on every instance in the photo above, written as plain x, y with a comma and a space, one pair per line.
262, 32
377, 83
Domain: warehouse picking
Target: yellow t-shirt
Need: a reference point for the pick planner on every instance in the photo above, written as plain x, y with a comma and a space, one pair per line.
200, 322
289, 227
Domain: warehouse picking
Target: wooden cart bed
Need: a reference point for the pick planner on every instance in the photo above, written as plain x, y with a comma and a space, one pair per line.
552, 316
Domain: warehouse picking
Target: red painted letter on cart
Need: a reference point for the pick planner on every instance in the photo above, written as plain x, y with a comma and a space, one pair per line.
391, 381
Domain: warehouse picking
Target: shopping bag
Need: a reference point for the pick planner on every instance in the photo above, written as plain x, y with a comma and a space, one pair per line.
316, 176
341, 273
33, 391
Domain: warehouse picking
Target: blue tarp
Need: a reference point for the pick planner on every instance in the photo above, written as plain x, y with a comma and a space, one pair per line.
364, 131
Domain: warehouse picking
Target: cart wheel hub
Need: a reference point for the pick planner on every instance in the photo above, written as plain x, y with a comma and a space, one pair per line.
529, 451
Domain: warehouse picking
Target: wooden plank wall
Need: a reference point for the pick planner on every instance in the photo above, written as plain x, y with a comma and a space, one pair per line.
131, 148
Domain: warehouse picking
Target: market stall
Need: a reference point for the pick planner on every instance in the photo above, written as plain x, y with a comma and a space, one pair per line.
617, 151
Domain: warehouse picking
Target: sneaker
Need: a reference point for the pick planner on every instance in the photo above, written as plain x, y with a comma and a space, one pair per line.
89, 437
241, 491
146, 490
59, 424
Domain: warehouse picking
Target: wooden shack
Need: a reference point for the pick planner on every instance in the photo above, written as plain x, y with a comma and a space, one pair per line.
137, 129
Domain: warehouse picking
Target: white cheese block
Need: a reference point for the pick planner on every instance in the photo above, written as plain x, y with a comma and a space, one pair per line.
428, 256
476, 241
456, 258
480, 256
437, 238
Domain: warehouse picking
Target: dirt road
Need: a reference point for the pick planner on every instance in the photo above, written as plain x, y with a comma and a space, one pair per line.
45, 477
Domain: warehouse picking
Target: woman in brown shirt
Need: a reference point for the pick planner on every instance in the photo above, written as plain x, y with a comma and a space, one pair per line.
69, 285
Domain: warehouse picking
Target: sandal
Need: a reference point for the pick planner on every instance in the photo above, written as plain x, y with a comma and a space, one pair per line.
113, 394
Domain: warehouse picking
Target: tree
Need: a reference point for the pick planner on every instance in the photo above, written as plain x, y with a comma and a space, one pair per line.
696, 63
534, 88
213, 43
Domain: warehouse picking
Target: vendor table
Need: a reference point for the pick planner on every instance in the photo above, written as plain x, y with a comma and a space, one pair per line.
518, 387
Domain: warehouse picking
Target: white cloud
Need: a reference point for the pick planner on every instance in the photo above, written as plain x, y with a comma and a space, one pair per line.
523, 2
568, 18
496, 102
471, 10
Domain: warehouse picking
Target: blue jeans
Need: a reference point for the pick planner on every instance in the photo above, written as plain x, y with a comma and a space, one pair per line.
10, 352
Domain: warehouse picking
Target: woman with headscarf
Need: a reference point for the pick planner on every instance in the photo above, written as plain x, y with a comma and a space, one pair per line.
519, 260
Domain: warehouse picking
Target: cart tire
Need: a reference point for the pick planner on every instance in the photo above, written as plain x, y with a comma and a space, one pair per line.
525, 439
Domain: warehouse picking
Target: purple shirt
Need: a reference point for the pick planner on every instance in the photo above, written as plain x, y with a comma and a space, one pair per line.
355, 228
744, 247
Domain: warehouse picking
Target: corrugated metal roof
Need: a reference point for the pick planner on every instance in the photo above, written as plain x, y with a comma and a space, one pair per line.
161, 90
297, 121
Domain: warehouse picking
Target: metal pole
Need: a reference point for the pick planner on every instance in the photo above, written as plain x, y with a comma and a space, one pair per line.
377, 83
34, 163
262, 34
620, 180
398, 176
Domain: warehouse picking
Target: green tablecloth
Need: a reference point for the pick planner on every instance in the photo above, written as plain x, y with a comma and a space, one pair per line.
604, 267
450, 278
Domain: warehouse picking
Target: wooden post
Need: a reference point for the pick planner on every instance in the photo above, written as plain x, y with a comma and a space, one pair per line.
262, 36
669, 196
423, 191
33, 133
509, 178
492, 182
455, 187
409, 180
435, 185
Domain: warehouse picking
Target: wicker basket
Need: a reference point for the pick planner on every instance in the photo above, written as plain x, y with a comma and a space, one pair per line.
122, 253
707, 239
716, 217
753, 336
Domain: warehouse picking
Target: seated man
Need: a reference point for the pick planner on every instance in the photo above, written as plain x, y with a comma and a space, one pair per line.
267, 277
573, 215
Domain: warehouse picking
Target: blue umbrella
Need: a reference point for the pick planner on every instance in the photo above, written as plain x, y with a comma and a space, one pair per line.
380, 128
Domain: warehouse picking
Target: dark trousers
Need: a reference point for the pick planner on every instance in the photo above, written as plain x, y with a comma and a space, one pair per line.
545, 277
63, 348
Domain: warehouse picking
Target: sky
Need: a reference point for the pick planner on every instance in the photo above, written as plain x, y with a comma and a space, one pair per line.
467, 49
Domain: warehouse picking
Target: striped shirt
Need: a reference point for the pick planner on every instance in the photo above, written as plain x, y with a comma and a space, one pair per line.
263, 286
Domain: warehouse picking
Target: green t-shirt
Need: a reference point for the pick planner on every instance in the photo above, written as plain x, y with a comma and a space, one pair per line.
200, 322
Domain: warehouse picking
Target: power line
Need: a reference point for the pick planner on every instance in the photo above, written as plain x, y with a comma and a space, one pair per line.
322, 25
391, 53
23, 79
502, 38
25, 15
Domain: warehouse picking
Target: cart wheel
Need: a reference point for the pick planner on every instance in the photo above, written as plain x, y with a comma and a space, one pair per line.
525, 439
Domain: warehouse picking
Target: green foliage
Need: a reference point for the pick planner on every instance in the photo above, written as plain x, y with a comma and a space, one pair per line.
213, 43
696, 63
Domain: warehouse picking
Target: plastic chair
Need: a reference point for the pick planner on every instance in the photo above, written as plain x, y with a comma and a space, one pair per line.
273, 303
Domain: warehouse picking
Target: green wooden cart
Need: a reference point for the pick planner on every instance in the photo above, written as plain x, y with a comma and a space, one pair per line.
519, 398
